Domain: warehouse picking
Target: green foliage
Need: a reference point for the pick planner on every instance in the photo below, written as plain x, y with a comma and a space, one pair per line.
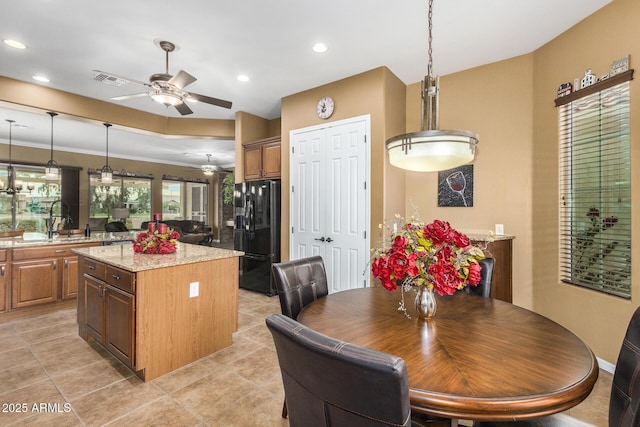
228, 184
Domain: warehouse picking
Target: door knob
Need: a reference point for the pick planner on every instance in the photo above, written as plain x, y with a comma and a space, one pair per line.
329, 240
321, 239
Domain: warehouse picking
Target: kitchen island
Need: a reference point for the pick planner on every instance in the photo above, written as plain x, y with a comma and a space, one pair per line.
157, 313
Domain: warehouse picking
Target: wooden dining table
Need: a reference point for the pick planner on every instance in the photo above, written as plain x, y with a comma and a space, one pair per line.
478, 358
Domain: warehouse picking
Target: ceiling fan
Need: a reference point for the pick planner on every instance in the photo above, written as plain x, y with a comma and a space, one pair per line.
164, 88
209, 168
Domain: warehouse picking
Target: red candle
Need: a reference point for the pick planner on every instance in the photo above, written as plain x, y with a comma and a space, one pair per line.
151, 226
157, 217
162, 228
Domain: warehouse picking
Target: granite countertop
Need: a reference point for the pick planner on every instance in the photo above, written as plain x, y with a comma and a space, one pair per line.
123, 256
477, 237
39, 239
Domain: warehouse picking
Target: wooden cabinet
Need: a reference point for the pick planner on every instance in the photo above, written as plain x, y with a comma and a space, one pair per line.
45, 274
262, 159
109, 309
501, 251
4, 275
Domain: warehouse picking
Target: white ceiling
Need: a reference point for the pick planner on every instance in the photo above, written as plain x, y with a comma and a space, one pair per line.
269, 41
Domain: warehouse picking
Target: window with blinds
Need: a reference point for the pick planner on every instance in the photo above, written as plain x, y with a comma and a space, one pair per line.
595, 190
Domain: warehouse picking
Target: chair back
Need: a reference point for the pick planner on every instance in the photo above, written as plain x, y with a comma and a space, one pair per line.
330, 382
299, 283
115, 226
483, 288
624, 404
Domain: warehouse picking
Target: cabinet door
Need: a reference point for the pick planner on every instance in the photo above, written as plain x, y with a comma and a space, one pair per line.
94, 307
34, 282
119, 327
3, 286
271, 160
252, 162
69, 277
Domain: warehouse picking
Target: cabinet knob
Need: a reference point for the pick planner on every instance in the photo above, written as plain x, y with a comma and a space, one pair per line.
55, 264
2, 270
66, 263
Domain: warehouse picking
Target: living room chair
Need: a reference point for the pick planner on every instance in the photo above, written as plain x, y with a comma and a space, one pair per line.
299, 283
330, 382
624, 403
115, 226
483, 288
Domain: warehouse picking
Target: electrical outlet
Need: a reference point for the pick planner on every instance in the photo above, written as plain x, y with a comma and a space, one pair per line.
194, 289
499, 229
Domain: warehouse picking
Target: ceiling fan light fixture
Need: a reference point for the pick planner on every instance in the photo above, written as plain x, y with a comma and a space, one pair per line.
431, 149
167, 98
208, 169
52, 170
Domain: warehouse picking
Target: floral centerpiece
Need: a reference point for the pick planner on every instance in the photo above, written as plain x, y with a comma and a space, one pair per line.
432, 256
156, 242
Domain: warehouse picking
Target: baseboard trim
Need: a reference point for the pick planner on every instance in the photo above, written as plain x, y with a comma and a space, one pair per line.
606, 366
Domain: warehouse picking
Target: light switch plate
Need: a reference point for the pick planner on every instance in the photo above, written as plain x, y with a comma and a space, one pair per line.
499, 229
194, 289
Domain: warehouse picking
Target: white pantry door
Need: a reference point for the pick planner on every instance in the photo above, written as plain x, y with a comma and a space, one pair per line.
330, 199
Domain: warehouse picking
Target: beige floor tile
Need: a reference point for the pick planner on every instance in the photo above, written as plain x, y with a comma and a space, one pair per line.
186, 375
34, 394
162, 412
57, 330
115, 401
86, 379
20, 376
265, 410
67, 353
257, 367
12, 358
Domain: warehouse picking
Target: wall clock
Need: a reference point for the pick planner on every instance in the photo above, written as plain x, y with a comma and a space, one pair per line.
325, 107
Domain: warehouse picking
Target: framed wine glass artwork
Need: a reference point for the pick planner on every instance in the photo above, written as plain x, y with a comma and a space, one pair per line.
455, 187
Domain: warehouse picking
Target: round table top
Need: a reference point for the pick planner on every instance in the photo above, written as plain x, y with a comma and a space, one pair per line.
478, 358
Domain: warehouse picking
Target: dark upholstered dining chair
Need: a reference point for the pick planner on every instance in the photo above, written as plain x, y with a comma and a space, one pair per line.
624, 403
299, 283
483, 288
330, 382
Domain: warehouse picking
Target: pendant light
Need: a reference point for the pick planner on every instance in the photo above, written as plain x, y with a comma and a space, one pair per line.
431, 149
10, 181
52, 170
106, 173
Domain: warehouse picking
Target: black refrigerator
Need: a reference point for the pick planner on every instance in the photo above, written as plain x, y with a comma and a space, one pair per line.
257, 233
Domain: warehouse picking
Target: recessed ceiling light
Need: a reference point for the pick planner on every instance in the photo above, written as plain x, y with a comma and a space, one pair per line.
243, 78
14, 43
320, 48
42, 79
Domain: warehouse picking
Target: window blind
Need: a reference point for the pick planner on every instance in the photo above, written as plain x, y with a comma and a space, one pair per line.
595, 191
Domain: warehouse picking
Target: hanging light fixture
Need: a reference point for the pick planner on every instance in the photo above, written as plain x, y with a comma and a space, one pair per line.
52, 170
10, 184
431, 149
106, 173
208, 169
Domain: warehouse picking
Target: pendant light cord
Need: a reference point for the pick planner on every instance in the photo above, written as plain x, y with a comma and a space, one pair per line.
430, 51
52, 114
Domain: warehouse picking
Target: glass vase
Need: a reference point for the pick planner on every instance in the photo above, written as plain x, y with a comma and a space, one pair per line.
425, 303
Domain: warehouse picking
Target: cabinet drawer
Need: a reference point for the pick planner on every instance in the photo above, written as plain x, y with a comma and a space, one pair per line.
121, 279
94, 268
41, 252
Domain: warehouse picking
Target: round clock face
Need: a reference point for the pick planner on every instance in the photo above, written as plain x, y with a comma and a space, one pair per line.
325, 107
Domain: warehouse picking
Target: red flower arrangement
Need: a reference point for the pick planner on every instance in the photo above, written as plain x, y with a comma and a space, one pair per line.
156, 243
433, 255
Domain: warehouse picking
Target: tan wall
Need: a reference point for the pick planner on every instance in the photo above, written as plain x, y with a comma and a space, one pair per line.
609, 34
496, 102
378, 93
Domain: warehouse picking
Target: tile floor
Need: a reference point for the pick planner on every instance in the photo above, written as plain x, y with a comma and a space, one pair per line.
61, 380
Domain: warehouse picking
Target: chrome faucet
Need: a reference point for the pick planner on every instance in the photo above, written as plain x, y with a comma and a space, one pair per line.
50, 231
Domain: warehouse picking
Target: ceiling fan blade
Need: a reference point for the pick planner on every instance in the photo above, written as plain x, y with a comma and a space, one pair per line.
183, 109
210, 100
123, 97
182, 79
115, 79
